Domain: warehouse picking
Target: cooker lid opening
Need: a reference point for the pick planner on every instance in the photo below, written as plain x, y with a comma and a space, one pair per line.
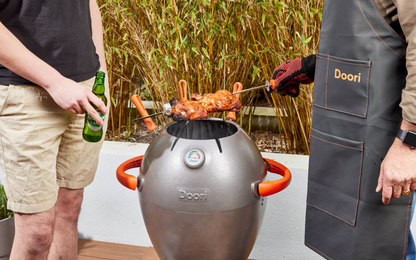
202, 129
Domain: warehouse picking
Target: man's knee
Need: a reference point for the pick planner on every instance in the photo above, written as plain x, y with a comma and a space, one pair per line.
36, 230
40, 241
69, 203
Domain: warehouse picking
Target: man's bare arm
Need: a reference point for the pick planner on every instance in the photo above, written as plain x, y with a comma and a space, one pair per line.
67, 93
97, 33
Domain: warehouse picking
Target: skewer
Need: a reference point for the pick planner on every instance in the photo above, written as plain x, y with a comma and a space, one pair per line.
167, 110
267, 85
152, 115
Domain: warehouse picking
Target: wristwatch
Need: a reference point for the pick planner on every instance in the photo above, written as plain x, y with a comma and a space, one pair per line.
408, 137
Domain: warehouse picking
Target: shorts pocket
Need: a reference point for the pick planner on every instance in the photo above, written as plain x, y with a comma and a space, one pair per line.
335, 166
342, 85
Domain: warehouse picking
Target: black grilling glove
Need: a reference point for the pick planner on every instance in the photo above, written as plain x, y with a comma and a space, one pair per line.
287, 77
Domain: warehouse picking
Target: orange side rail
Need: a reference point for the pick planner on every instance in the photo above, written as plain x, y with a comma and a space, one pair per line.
271, 187
125, 179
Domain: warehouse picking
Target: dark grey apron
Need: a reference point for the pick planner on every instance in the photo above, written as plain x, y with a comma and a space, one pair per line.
359, 77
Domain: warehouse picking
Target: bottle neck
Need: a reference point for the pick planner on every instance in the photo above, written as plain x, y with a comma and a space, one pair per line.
99, 83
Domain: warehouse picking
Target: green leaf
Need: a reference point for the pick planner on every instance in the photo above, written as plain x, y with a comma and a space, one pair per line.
177, 44
168, 61
263, 18
242, 21
118, 52
255, 71
184, 41
195, 50
205, 52
150, 54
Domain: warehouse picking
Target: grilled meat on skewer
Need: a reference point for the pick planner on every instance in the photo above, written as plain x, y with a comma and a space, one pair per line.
197, 108
222, 100
201, 105
187, 109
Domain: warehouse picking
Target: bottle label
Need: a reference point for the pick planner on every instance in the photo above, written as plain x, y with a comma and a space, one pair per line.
92, 124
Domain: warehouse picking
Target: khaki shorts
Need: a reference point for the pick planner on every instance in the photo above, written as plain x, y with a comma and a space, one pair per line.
42, 148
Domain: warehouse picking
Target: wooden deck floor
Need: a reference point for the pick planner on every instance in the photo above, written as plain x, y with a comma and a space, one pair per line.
95, 250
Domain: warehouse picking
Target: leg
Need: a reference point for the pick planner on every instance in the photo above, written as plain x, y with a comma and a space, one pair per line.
76, 165
65, 236
37, 159
33, 235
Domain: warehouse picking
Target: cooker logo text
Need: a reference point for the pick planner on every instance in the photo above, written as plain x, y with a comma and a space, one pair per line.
183, 195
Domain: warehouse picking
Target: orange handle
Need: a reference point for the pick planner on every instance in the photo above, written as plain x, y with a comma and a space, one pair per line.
128, 180
139, 105
237, 87
274, 84
184, 95
271, 187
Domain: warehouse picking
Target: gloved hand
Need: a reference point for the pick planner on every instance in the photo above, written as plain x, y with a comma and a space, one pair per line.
287, 77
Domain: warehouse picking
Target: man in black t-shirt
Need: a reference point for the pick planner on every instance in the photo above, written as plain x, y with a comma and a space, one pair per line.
50, 51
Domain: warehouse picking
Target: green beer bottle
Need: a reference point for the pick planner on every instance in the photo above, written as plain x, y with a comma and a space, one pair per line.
93, 132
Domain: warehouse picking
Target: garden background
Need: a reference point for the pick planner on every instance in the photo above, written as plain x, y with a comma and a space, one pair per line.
152, 44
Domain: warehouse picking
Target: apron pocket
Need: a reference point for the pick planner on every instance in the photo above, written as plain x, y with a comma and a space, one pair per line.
342, 85
334, 175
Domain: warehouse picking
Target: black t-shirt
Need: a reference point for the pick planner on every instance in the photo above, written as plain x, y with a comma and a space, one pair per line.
57, 31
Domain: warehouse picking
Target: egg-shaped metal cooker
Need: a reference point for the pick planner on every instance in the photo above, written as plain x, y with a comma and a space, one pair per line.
201, 190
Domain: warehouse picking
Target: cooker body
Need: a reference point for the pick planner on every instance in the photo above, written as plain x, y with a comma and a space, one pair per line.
198, 191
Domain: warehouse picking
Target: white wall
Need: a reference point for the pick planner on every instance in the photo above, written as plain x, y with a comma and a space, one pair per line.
111, 212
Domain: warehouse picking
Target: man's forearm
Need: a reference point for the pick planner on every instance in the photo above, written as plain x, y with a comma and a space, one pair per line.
17, 58
97, 32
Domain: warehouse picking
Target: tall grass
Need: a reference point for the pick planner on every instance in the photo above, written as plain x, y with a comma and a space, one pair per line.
212, 44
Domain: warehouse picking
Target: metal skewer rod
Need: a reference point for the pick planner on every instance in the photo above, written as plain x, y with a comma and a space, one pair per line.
267, 85
137, 119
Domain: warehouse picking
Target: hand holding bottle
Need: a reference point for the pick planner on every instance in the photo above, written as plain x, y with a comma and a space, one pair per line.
77, 99
93, 131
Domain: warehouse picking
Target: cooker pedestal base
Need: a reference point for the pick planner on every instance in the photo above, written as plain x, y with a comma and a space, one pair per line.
221, 235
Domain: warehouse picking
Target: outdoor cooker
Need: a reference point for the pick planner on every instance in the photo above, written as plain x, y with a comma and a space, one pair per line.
201, 190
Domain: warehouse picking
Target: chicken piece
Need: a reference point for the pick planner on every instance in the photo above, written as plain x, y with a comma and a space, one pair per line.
187, 109
222, 100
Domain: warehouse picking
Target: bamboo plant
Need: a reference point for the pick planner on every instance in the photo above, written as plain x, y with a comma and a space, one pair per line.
212, 44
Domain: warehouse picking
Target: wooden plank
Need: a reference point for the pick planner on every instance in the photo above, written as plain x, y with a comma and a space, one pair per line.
96, 250
150, 254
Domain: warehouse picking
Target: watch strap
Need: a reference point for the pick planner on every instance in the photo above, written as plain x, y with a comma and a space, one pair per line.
402, 134
408, 137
